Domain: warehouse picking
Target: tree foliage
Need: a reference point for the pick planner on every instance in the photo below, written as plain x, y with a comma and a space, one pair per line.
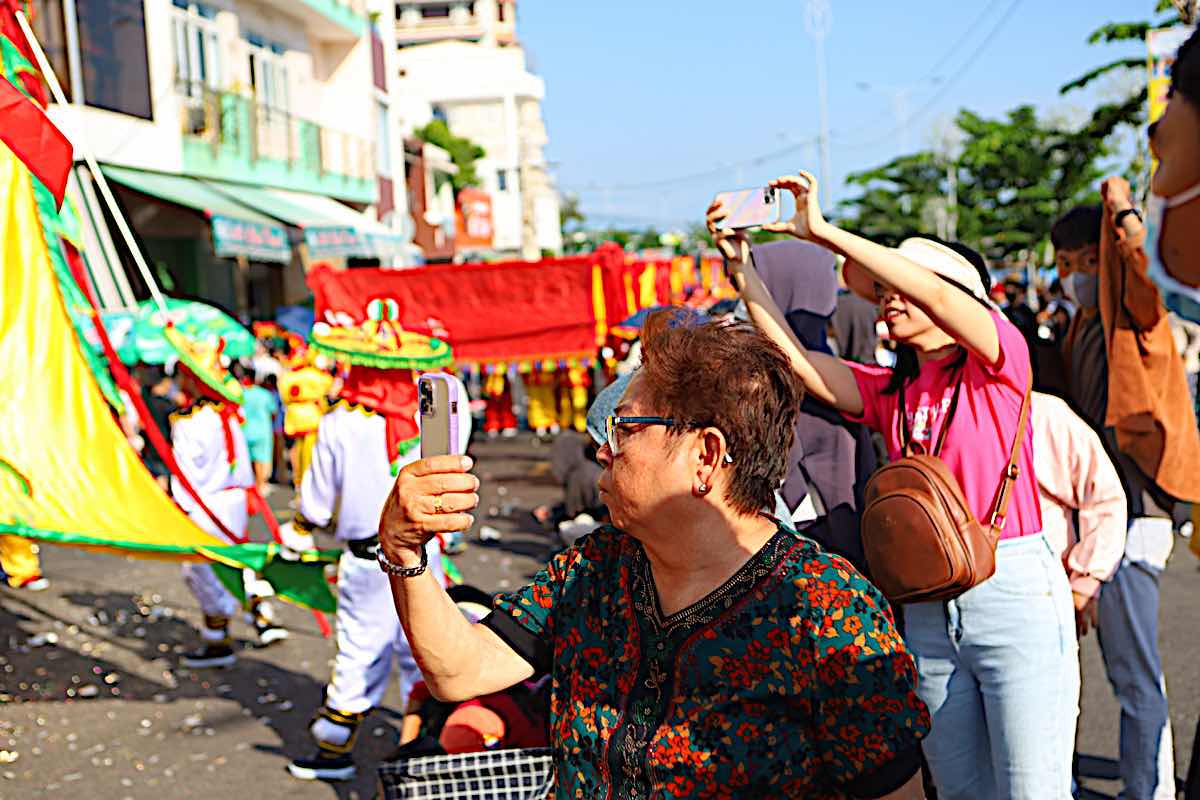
1014, 176
463, 152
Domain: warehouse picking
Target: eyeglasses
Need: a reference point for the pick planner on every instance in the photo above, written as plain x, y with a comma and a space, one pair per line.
613, 424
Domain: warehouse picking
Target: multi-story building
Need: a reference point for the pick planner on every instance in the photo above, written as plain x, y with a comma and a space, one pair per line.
465, 60
246, 139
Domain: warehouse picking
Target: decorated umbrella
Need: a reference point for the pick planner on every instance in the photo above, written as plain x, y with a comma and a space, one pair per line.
138, 335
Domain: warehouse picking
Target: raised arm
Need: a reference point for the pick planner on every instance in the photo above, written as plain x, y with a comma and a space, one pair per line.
965, 320
824, 377
459, 660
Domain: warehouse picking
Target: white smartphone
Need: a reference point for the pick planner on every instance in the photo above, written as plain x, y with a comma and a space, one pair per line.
751, 208
438, 397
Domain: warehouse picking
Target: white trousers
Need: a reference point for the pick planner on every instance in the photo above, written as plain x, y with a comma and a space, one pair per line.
215, 600
369, 636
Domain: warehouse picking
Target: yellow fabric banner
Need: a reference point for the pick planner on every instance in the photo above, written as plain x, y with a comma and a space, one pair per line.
66, 469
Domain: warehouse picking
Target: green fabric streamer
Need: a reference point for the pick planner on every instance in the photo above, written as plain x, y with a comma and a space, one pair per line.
301, 581
12, 63
78, 307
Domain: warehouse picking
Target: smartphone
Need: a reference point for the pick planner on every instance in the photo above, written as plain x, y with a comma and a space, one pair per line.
438, 398
751, 208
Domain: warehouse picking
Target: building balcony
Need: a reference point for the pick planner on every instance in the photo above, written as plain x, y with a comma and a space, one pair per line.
422, 30
230, 137
329, 20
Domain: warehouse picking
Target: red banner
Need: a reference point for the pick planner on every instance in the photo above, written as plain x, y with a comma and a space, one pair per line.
491, 313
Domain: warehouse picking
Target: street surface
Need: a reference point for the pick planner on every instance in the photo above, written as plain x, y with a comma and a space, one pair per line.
93, 702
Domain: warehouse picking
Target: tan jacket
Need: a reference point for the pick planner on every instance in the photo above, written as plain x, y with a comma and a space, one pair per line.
1149, 405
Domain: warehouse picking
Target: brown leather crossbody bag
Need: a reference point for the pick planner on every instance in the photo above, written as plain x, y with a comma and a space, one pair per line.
921, 540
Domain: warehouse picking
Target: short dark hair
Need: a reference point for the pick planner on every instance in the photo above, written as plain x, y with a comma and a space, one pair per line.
1079, 227
732, 377
1185, 72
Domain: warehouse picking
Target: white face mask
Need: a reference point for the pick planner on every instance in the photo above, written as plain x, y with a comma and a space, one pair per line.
1184, 300
1082, 288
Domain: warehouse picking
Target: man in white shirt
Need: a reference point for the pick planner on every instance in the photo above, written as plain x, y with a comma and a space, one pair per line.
362, 442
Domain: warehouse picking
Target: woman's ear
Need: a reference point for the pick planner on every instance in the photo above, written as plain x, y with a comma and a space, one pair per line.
711, 450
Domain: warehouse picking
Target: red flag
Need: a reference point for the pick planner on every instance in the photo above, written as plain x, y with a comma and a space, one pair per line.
34, 139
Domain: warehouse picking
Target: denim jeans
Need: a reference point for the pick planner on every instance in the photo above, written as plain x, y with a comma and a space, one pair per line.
999, 670
1128, 633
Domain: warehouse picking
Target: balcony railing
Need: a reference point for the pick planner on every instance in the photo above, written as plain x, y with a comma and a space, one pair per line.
239, 129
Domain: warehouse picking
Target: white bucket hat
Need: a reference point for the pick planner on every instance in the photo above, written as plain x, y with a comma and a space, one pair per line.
933, 256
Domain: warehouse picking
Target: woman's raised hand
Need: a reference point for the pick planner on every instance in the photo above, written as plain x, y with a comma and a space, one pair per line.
807, 221
430, 496
733, 244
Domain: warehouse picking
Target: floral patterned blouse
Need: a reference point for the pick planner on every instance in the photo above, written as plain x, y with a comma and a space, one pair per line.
790, 680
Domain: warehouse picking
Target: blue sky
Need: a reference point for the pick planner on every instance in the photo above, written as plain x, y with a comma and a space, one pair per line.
639, 91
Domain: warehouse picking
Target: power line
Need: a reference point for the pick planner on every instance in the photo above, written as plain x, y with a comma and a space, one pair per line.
946, 85
811, 140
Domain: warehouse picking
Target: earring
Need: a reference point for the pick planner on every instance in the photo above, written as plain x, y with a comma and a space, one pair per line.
703, 488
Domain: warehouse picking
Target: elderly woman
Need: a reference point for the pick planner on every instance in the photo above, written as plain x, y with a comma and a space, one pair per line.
697, 647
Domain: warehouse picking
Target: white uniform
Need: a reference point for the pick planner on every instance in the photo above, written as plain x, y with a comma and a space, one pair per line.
347, 484
198, 441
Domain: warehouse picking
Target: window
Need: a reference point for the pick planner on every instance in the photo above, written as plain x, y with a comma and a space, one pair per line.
197, 49
439, 112
383, 147
48, 26
112, 49
268, 75
502, 180
441, 11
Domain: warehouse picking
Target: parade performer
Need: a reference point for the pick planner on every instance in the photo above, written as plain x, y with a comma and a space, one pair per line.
540, 389
499, 417
303, 391
212, 454
573, 396
21, 565
369, 434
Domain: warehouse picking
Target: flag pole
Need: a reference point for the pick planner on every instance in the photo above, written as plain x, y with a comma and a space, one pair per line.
59, 97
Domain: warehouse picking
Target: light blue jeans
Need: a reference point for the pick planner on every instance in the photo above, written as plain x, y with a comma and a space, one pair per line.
999, 670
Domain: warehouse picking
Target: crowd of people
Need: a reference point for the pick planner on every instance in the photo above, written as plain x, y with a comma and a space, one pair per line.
726, 633
744, 603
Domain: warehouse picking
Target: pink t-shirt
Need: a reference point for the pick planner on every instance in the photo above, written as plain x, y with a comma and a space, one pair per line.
978, 440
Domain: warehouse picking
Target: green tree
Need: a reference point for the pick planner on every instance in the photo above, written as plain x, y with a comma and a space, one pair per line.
1109, 117
463, 152
1012, 177
570, 216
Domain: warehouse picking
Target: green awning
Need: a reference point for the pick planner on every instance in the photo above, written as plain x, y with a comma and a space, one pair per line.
238, 230
330, 229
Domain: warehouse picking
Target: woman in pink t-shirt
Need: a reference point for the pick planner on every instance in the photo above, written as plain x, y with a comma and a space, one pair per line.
999, 664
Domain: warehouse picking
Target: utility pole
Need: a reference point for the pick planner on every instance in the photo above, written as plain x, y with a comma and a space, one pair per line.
818, 19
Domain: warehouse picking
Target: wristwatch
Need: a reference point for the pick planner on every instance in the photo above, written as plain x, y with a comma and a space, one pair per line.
1120, 217
399, 571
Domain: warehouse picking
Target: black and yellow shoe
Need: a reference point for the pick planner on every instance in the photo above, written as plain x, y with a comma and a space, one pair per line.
324, 765
211, 656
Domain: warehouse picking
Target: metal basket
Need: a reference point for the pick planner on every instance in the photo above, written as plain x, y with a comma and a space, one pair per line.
490, 775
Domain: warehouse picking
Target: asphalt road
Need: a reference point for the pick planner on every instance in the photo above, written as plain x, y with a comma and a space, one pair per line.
104, 710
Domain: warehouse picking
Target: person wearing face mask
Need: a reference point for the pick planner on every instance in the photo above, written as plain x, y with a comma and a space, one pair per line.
1126, 379
1173, 208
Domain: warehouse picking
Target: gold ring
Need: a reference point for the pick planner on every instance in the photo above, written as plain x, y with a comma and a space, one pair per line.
437, 504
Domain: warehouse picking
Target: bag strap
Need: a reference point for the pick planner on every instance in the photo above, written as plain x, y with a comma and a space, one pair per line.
906, 434
1012, 471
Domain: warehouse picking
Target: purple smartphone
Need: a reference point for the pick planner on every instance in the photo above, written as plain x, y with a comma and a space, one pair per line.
438, 396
